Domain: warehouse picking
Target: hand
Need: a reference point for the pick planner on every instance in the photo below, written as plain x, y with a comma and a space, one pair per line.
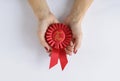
77, 36
43, 25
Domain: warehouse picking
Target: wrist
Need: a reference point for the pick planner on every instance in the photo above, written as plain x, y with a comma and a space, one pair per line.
42, 14
72, 20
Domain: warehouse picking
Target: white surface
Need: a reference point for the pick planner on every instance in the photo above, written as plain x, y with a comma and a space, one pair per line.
23, 59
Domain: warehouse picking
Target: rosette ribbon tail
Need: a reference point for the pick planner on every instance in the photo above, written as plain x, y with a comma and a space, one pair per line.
63, 58
58, 54
54, 57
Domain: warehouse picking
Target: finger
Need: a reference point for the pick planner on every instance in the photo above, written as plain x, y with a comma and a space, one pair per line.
71, 43
48, 51
77, 44
44, 43
68, 52
69, 48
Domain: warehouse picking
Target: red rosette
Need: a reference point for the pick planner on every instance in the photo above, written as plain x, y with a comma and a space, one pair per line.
58, 36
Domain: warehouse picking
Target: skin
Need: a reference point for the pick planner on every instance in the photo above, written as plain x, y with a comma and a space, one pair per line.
74, 19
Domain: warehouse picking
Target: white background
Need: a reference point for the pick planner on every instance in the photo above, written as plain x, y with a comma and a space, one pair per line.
22, 58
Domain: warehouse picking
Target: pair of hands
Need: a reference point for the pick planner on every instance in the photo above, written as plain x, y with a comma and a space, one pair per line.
75, 27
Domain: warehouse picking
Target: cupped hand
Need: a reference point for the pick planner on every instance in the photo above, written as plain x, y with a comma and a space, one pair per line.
77, 36
43, 25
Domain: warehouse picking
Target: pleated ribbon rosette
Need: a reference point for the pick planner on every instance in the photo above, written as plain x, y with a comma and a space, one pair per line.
58, 36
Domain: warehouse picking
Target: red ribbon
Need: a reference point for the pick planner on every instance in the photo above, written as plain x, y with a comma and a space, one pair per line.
58, 36
58, 54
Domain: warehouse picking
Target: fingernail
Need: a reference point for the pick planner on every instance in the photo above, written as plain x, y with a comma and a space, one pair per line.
46, 48
75, 51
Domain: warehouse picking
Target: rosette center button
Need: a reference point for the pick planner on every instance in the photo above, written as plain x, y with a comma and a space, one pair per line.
58, 36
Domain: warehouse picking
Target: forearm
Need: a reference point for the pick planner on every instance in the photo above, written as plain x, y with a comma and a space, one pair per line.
40, 8
79, 9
